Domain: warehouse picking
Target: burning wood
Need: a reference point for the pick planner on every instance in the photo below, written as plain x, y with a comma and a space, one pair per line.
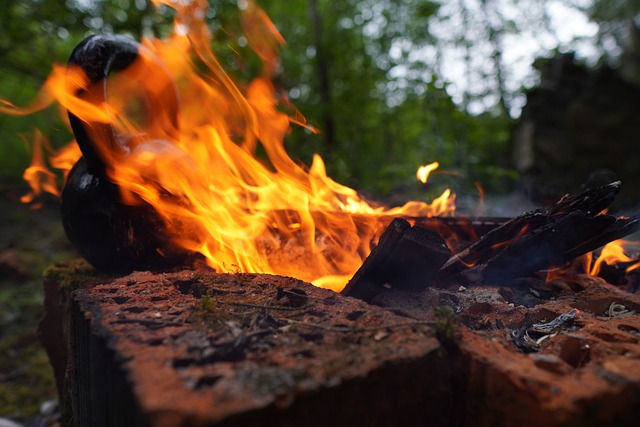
542, 239
404, 258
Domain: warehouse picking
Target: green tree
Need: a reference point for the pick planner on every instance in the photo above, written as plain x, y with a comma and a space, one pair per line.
390, 84
619, 33
34, 34
354, 64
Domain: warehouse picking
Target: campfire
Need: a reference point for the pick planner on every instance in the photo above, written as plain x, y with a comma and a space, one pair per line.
169, 152
167, 169
164, 176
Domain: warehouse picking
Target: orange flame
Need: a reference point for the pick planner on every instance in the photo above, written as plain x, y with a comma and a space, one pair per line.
613, 253
578, 265
272, 215
38, 176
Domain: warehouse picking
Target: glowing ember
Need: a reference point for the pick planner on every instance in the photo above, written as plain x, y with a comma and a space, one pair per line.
201, 175
424, 171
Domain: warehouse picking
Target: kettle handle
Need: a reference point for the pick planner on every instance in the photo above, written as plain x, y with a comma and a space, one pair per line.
99, 55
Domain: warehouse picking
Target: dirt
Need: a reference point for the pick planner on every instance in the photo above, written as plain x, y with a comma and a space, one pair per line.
29, 241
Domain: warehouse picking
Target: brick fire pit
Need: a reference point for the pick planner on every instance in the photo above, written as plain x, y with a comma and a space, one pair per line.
198, 348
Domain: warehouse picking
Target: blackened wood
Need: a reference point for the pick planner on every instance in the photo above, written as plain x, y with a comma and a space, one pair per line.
365, 283
543, 248
592, 202
484, 248
620, 228
405, 258
540, 239
459, 232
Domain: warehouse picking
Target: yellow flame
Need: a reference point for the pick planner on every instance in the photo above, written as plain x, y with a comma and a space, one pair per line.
424, 171
270, 215
613, 253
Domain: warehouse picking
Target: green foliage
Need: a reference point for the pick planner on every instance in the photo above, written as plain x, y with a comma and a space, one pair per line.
350, 67
619, 34
35, 34
389, 118
207, 302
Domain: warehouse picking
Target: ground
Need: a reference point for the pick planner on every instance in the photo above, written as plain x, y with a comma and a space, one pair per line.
29, 241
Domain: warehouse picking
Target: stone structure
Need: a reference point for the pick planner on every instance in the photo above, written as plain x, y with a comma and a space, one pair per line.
196, 348
580, 128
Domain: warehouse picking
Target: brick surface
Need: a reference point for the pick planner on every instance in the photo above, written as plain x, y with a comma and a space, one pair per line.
200, 348
588, 374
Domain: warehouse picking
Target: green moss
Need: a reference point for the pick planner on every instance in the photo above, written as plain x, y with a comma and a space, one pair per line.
33, 383
71, 273
445, 323
207, 303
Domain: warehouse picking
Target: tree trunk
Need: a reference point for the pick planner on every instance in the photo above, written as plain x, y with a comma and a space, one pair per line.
322, 68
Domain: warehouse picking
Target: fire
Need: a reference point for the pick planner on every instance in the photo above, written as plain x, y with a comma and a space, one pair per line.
39, 177
577, 266
197, 166
613, 253
424, 171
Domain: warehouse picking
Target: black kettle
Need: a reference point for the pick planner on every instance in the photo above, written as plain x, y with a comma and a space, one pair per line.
112, 236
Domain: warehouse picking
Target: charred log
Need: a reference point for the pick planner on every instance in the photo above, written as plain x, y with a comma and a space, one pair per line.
460, 232
541, 239
411, 258
406, 258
